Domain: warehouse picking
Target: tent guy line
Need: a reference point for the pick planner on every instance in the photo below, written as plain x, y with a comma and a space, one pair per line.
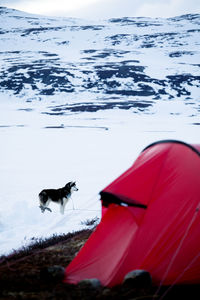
176, 253
181, 274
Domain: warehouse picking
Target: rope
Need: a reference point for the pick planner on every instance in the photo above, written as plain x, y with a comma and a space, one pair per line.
186, 268
176, 253
83, 209
91, 198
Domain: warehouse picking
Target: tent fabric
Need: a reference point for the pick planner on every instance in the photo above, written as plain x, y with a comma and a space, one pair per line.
154, 225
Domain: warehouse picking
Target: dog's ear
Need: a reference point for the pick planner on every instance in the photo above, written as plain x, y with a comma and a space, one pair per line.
70, 184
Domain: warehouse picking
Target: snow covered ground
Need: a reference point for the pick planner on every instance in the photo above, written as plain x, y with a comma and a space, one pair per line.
92, 151
95, 131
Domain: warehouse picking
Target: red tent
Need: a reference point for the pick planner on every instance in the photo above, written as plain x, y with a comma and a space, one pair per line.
151, 221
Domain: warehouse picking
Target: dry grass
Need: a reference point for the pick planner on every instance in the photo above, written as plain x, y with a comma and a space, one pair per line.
23, 274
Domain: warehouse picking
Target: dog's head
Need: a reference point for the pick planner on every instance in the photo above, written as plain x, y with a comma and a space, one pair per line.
71, 186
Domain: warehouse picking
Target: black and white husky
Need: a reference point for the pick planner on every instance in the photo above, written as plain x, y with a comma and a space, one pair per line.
60, 196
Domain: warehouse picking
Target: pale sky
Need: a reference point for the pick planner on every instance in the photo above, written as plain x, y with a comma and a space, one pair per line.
103, 9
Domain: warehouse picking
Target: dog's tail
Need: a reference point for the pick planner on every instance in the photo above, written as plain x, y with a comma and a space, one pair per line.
43, 197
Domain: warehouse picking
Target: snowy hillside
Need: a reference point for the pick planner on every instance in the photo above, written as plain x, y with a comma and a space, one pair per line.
130, 58
79, 100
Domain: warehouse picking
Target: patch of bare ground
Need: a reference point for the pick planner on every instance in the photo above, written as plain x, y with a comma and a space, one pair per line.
36, 272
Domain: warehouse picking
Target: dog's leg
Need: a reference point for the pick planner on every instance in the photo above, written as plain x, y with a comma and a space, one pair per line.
61, 209
47, 203
44, 207
44, 202
72, 203
62, 205
65, 202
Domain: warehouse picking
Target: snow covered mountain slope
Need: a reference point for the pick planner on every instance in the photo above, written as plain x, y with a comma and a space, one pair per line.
137, 59
78, 101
